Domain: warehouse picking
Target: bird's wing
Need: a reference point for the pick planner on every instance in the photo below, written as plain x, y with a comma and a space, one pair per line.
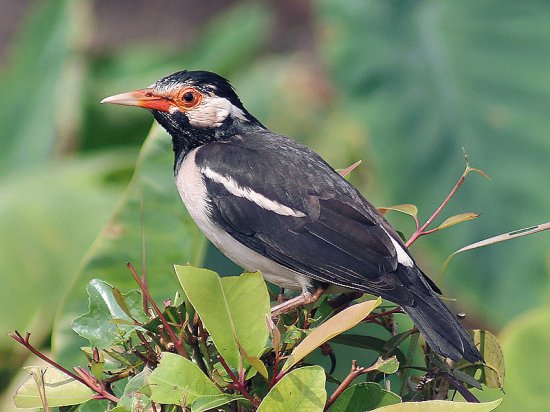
303, 216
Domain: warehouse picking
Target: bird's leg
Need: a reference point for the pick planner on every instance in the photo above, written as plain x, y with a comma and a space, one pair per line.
301, 300
281, 297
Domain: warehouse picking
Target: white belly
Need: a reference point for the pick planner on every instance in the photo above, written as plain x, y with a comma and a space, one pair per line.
192, 190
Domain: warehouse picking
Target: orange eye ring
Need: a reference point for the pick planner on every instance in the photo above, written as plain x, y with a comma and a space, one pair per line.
189, 98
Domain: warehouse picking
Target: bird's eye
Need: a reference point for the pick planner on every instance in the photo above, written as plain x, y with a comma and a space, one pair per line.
188, 97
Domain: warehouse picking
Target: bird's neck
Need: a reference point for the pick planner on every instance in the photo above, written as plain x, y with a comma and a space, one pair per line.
186, 137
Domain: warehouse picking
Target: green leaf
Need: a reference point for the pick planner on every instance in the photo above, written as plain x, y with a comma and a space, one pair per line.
169, 234
456, 219
438, 406
233, 309
492, 371
97, 326
407, 209
59, 389
386, 366
364, 397
178, 381
302, 390
339, 323
210, 402
495, 239
254, 361
369, 343
135, 396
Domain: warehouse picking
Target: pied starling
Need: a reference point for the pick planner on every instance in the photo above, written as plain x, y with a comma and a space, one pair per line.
273, 205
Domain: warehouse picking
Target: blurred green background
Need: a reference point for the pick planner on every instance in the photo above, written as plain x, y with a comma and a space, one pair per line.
401, 85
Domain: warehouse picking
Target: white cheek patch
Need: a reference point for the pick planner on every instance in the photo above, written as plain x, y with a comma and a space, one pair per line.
212, 112
245, 192
402, 256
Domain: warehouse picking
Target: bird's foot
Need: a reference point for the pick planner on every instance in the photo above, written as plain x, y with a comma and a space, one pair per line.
301, 300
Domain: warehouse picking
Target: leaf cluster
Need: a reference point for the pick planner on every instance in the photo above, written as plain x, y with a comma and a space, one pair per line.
215, 346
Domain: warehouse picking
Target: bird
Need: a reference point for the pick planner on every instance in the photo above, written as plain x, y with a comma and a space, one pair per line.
273, 205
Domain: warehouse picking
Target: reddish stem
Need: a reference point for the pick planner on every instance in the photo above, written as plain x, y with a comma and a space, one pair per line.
421, 231
238, 384
355, 372
177, 342
382, 314
275, 369
84, 378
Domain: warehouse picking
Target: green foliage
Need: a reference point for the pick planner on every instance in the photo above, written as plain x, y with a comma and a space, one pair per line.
233, 310
436, 406
341, 322
178, 381
364, 397
150, 212
302, 389
53, 385
492, 372
49, 219
217, 325
112, 315
411, 83
525, 344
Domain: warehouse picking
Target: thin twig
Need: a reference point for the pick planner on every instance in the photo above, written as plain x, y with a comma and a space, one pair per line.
84, 378
355, 372
25, 342
143, 256
421, 231
194, 342
148, 347
382, 314
177, 342
238, 384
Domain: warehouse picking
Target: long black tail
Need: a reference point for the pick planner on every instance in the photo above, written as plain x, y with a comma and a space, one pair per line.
439, 325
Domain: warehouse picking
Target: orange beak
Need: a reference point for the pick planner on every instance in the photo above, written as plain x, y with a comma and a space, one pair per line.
146, 98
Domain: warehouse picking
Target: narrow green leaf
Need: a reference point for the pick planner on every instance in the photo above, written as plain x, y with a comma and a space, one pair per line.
233, 309
407, 209
60, 389
210, 402
254, 361
178, 381
96, 325
119, 298
369, 343
492, 240
438, 406
456, 219
302, 390
339, 323
364, 397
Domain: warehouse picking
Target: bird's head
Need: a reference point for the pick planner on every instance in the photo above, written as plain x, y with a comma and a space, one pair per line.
195, 107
